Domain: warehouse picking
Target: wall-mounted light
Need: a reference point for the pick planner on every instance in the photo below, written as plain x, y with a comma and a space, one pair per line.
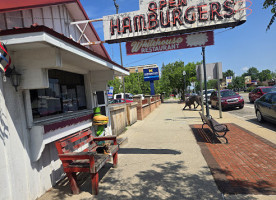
15, 78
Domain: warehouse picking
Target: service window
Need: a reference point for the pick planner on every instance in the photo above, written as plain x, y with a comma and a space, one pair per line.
101, 101
66, 93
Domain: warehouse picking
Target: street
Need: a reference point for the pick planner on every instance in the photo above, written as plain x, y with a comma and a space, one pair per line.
248, 113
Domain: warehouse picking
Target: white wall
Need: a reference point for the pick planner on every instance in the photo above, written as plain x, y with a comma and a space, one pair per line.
56, 17
20, 178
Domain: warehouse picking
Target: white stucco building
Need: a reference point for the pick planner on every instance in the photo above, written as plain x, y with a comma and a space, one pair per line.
61, 82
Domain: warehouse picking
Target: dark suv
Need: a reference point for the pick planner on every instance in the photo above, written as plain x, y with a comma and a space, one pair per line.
265, 107
229, 99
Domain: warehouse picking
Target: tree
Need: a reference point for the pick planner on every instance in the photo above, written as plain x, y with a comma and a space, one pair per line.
228, 73
172, 79
117, 84
266, 5
212, 84
265, 75
238, 82
253, 72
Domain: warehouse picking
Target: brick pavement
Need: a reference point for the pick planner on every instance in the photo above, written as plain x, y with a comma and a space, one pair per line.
247, 165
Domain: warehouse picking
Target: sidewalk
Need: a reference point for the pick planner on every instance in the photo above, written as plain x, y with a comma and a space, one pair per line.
162, 160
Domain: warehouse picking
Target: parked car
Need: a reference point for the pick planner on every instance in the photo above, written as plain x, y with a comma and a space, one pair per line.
209, 92
121, 96
258, 92
265, 107
115, 101
229, 99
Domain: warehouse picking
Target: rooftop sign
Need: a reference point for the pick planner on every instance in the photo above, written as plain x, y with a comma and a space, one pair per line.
158, 18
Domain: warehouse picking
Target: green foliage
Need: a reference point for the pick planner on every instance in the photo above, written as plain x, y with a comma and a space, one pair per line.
228, 73
172, 80
212, 84
265, 75
253, 72
117, 84
238, 82
230, 86
134, 84
250, 89
266, 5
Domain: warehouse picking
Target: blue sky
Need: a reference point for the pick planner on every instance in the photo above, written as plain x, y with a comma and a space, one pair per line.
248, 45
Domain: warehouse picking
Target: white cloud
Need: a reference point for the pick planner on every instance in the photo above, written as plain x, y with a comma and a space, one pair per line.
245, 69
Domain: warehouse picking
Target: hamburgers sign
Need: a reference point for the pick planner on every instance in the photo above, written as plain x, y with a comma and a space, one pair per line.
170, 17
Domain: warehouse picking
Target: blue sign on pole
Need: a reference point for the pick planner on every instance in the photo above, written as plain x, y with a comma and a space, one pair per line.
110, 92
151, 74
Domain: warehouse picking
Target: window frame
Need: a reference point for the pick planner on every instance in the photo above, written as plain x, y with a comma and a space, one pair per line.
31, 121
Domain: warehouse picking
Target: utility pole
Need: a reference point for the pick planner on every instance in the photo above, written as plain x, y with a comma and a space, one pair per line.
117, 11
184, 90
205, 82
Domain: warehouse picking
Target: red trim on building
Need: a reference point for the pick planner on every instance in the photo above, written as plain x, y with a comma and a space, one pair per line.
45, 29
15, 5
62, 124
93, 29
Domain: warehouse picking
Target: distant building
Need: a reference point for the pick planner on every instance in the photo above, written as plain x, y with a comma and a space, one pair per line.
138, 69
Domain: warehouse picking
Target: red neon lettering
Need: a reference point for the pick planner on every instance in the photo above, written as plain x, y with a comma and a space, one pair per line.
228, 8
162, 4
140, 19
201, 12
162, 19
182, 3
193, 16
152, 20
112, 27
246, 8
216, 11
152, 6
126, 25
172, 3
177, 17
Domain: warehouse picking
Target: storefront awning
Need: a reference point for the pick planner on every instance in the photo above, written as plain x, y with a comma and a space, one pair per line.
41, 36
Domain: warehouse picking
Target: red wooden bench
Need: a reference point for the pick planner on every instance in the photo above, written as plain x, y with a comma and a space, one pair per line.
78, 154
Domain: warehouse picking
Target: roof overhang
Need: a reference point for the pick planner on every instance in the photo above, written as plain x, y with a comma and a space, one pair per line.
40, 36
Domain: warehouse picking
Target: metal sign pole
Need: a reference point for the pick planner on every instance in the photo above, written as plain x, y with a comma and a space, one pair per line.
205, 82
219, 98
201, 90
120, 45
219, 95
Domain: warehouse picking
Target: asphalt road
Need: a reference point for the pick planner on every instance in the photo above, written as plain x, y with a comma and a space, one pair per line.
248, 113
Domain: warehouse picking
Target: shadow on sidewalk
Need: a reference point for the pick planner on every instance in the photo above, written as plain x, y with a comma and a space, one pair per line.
147, 151
170, 102
267, 125
170, 181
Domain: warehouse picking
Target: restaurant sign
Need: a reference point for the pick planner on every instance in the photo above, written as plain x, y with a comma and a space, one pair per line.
157, 18
170, 43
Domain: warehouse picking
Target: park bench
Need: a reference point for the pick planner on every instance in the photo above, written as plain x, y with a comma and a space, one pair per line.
78, 153
216, 127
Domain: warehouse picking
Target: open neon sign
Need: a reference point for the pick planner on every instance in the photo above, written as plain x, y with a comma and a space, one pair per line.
163, 17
